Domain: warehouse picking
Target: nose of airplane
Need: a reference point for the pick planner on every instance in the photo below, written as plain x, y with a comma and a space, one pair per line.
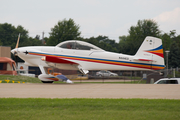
13, 51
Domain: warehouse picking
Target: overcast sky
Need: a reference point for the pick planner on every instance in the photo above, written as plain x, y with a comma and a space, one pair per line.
111, 18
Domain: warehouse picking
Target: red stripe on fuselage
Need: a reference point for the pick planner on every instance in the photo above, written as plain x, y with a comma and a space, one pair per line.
58, 60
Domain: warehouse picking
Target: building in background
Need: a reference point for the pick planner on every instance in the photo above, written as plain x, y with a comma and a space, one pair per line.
5, 51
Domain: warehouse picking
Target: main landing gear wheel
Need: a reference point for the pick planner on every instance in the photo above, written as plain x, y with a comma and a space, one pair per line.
47, 81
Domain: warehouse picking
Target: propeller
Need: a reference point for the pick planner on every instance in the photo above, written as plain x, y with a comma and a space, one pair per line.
17, 44
16, 51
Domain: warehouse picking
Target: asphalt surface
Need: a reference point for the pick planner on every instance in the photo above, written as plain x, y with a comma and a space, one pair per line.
83, 90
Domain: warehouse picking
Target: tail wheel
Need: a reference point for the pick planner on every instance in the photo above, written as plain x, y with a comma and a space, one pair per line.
47, 81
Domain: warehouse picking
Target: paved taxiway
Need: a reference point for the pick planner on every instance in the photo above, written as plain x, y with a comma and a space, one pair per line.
31, 90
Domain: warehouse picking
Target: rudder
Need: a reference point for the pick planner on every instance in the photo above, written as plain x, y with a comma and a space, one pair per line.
151, 50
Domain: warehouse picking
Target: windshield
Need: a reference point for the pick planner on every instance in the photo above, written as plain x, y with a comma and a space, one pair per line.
78, 45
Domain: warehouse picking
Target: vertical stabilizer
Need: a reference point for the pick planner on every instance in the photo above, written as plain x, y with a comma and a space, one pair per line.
151, 50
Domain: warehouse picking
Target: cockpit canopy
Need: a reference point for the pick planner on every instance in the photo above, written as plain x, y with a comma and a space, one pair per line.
78, 45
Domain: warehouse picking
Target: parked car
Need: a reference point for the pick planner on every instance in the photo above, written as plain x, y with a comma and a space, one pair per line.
105, 73
168, 81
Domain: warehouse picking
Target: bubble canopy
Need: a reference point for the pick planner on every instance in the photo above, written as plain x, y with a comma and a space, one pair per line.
78, 45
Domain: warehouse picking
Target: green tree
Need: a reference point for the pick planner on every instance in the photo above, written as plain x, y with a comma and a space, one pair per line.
32, 42
166, 40
0, 43
9, 35
23, 36
137, 34
103, 42
124, 44
171, 42
64, 30
174, 55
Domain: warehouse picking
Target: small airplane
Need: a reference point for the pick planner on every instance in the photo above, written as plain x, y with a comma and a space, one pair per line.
83, 56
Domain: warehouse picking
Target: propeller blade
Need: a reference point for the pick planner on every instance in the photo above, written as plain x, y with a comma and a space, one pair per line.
16, 52
17, 44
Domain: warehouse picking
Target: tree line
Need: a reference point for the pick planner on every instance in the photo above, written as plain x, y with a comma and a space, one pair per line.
69, 30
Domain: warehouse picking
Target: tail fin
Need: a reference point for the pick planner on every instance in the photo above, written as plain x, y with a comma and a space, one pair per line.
151, 50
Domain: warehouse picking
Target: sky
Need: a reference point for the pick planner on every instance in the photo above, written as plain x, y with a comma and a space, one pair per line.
112, 18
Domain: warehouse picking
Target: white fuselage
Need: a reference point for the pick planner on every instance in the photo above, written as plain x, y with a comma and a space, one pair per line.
88, 59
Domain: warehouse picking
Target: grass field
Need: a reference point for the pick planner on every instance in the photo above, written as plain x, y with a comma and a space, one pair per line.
25, 79
89, 109
17, 79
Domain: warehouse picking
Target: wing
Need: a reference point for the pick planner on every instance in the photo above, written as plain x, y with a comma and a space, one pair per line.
61, 63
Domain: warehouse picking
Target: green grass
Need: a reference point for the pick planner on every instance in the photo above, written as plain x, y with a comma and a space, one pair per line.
21, 79
88, 109
26, 79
